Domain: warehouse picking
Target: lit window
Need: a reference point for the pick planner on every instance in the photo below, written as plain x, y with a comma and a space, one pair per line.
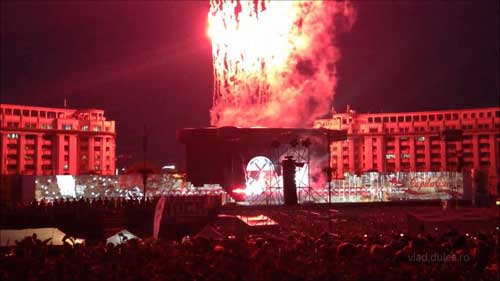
97, 129
420, 138
85, 128
66, 167
12, 136
390, 156
67, 127
405, 155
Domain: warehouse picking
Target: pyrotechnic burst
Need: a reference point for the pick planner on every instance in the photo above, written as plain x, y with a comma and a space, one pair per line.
274, 61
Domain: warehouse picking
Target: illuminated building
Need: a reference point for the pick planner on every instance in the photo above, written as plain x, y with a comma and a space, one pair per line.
412, 141
55, 141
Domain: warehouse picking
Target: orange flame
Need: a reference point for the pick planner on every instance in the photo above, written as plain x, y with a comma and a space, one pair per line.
273, 60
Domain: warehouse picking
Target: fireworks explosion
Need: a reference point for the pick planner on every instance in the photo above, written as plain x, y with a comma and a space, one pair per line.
274, 61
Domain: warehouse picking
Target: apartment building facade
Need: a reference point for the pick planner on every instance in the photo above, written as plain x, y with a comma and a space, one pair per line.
55, 141
413, 141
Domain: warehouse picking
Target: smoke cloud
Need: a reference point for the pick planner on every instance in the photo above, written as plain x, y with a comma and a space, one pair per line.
274, 61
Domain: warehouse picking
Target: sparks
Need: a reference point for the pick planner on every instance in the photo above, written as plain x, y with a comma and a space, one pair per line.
273, 60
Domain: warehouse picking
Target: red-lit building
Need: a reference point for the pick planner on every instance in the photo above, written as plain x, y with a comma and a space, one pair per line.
413, 141
55, 141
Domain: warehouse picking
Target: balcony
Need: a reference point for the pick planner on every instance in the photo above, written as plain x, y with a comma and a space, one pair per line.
484, 159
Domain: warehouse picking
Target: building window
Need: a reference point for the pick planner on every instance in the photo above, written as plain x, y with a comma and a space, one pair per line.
481, 114
455, 116
424, 118
440, 117
43, 114
96, 167
85, 128
97, 128
34, 113
473, 115
17, 112
67, 127
377, 120
401, 119
390, 156
416, 118
447, 116
393, 118
386, 119
12, 136
8, 111
51, 114
408, 118
26, 113
405, 155
420, 138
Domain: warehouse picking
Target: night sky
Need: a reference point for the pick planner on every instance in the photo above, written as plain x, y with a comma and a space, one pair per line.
150, 62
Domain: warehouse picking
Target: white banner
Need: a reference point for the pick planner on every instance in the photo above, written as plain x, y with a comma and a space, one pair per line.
158, 214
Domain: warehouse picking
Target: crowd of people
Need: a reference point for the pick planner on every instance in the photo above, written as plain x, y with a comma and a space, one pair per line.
310, 245
87, 218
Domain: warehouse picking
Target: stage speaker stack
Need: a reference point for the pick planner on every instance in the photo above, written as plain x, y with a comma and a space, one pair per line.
289, 185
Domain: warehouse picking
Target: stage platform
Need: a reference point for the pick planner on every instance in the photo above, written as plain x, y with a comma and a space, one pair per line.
463, 220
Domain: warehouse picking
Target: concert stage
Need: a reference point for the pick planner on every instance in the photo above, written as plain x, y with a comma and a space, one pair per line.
237, 158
